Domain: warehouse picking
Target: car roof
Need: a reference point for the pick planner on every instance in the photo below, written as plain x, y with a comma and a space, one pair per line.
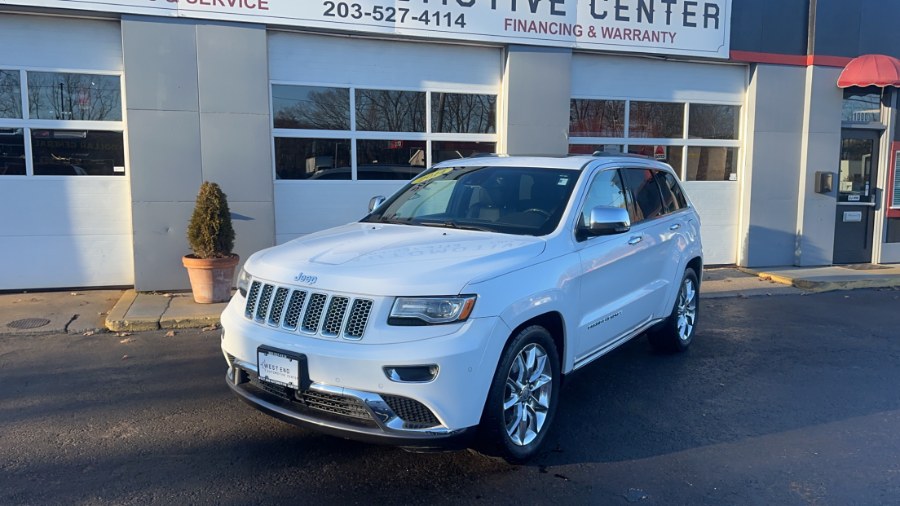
576, 162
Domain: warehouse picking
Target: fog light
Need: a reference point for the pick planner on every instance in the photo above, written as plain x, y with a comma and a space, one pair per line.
412, 373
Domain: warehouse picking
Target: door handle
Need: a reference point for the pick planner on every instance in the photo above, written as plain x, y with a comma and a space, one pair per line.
675, 226
636, 239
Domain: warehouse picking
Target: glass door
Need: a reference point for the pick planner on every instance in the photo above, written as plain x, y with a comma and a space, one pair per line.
857, 173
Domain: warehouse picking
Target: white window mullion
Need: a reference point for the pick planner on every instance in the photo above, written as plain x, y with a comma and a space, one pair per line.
26, 132
428, 129
353, 165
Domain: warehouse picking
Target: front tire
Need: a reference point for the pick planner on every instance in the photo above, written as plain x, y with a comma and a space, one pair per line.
523, 396
675, 334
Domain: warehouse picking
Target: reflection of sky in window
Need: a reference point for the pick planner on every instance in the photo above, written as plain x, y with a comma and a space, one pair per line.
861, 108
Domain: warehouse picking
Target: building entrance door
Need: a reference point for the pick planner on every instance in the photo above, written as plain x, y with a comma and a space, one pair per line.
856, 198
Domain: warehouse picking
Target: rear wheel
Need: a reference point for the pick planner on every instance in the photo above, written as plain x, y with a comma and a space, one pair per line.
677, 331
523, 396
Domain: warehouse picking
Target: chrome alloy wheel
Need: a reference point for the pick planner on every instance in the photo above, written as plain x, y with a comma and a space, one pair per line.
527, 394
686, 309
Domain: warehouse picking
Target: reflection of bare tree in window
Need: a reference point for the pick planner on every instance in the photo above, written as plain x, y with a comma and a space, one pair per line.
74, 96
656, 120
10, 94
463, 113
322, 109
390, 111
597, 118
710, 121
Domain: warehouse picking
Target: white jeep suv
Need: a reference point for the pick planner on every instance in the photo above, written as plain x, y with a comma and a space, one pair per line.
458, 304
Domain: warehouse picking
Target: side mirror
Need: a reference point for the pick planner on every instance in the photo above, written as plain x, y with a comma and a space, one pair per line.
374, 202
607, 221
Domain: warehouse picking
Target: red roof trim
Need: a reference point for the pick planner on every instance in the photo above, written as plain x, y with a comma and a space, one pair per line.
790, 59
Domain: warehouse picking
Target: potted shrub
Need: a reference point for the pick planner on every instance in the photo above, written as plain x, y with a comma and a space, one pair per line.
211, 238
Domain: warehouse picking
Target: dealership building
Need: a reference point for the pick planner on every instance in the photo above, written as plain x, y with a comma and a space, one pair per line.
112, 113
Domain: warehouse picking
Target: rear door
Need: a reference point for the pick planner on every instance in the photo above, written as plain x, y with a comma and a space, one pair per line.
656, 227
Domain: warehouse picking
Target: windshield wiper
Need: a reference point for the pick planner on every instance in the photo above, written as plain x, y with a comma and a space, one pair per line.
395, 221
453, 224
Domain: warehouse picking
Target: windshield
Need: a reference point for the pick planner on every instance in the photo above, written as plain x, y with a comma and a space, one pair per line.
510, 200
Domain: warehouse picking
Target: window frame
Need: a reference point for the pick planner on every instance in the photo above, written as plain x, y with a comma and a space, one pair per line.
27, 124
684, 142
353, 134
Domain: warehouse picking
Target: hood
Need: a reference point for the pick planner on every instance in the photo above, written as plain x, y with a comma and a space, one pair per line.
393, 260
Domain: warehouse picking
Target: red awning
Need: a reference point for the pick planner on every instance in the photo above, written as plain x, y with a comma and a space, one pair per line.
871, 70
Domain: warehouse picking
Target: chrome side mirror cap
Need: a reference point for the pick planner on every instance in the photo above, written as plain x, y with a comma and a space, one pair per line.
375, 202
606, 220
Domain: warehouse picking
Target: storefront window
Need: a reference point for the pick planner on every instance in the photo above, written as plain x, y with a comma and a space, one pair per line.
711, 164
311, 107
77, 153
12, 152
59, 96
463, 113
451, 150
596, 118
297, 158
669, 154
397, 160
658, 120
390, 111
711, 121
861, 105
10, 94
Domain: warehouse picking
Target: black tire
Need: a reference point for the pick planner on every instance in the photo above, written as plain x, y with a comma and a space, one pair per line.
676, 333
530, 428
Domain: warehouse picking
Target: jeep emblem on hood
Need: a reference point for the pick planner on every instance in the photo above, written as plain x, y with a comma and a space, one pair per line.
306, 279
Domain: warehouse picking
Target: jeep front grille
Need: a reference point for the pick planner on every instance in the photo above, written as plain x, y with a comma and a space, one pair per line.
308, 312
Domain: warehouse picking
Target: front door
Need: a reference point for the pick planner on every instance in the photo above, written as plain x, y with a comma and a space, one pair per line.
856, 197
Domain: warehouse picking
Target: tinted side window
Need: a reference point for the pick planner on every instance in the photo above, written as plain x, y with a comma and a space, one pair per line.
673, 185
606, 190
670, 201
645, 195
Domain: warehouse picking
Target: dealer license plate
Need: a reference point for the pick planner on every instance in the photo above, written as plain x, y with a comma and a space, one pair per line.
278, 368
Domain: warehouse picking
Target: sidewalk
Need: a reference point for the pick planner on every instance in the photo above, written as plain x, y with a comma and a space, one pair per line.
92, 311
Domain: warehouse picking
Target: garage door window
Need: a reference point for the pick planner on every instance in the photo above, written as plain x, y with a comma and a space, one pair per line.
323, 133
61, 124
699, 140
10, 94
463, 113
311, 107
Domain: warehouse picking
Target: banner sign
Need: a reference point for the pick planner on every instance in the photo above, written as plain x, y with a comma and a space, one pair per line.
676, 27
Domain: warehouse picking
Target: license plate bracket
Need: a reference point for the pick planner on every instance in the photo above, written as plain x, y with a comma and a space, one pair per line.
283, 368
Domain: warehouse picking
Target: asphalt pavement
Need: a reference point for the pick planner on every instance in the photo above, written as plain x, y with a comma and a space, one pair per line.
781, 400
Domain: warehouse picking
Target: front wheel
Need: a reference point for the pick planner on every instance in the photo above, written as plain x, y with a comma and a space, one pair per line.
523, 396
677, 331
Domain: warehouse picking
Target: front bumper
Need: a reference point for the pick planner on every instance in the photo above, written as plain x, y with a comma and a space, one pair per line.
347, 379
381, 424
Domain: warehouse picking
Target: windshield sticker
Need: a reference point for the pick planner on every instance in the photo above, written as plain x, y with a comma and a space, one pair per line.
563, 181
432, 175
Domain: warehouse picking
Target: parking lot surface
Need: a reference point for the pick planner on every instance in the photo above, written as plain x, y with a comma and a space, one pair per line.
781, 400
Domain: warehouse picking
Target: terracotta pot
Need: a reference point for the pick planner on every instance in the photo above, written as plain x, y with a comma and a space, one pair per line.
211, 278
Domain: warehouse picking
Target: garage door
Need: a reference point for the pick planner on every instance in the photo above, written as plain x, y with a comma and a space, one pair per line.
64, 189
353, 118
688, 114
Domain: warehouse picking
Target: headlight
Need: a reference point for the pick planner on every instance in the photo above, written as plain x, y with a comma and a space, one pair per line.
431, 310
243, 282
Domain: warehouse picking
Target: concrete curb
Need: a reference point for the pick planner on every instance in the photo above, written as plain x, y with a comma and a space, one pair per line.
828, 285
146, 318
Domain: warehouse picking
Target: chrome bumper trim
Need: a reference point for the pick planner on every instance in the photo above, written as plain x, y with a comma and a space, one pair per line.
389, 424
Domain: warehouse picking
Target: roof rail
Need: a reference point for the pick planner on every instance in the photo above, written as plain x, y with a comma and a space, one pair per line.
629, 155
